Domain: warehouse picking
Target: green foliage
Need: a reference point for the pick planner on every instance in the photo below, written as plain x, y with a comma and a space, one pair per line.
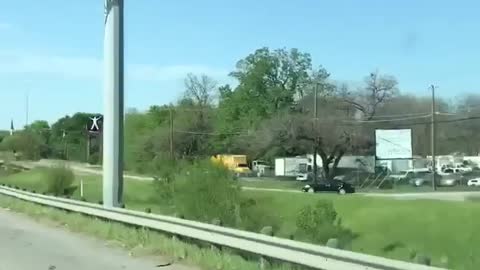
269, 82
3, 134
267, 114
164, 170
59, 180
94, 158
140, 241
73, 145
27, 144
318, 223
255, 214
139, 131
204, 191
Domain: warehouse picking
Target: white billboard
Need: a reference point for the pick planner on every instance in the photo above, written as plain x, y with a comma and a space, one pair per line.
393, 143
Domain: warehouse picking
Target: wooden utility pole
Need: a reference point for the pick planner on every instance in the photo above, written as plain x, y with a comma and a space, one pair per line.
433, 140
64, 139
87, 143
315, 148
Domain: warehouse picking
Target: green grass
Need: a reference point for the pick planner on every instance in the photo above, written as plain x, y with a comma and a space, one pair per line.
138, 241
266, 182
434, 228
275, 183
6, 156
412, 189
138, 195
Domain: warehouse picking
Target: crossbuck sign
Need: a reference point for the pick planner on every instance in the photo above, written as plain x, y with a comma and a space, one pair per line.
94, 125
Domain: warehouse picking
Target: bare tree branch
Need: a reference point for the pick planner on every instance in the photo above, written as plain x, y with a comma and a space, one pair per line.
378, 90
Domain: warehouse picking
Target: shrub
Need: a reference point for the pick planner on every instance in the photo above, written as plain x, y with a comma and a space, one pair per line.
59, 180
164, 171
94, 158
204, 191
319, 223
255, 214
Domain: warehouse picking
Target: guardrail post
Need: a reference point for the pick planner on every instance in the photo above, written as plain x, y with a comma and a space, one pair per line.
213, 247
264, 263
81, 188
333, 243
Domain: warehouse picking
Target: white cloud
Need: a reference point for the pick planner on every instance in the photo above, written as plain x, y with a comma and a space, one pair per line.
65, 67
91, 68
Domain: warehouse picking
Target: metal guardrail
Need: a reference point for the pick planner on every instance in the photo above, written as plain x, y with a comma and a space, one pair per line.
316, 257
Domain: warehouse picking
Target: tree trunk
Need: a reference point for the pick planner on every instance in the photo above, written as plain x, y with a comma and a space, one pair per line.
335, 165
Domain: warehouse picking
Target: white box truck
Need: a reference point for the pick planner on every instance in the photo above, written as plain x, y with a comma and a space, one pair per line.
288, 166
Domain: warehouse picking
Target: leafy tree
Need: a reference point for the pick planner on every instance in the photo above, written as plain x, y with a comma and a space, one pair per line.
193, 117
139, 129
28, 144
42, 130
269, 83
3, 134
69, 137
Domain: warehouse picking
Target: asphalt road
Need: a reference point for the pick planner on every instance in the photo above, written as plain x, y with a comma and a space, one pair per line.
80, 168
27, 245
443, 196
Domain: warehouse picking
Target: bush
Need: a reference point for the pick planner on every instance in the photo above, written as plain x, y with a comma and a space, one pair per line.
94, 158
59, 180
204, 191
319, 223
28, 145
255, 214
164, 171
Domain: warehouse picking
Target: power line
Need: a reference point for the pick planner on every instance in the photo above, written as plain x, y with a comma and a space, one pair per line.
400, 115
208, 133
440, 121
163, 109
459, 120
470, 107
387, 120
446, 113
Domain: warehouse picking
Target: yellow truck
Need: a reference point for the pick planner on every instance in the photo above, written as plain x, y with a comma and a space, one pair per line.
235, 163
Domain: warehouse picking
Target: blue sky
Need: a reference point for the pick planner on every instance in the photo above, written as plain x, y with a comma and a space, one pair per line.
53, 48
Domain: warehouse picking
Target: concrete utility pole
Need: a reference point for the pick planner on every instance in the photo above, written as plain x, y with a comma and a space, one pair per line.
433, 140
113, 105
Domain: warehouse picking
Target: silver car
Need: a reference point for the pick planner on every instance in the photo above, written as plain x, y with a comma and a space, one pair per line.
445, 180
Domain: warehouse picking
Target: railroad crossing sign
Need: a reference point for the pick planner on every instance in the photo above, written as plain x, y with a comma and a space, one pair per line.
95, 124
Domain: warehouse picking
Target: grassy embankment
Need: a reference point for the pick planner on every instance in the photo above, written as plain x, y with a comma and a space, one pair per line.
139, 242
384, 227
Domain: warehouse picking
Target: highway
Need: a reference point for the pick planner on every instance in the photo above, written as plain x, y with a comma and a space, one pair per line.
27, 245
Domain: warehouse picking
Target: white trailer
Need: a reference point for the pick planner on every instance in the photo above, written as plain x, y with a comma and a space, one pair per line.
288, 166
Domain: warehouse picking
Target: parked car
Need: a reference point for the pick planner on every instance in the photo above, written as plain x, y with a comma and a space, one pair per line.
329, 186
404, 177
448, 181
444, 180
419, 178
463, 168
473, 182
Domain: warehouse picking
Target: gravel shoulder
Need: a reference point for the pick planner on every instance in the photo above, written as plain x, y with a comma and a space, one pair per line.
26, 245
